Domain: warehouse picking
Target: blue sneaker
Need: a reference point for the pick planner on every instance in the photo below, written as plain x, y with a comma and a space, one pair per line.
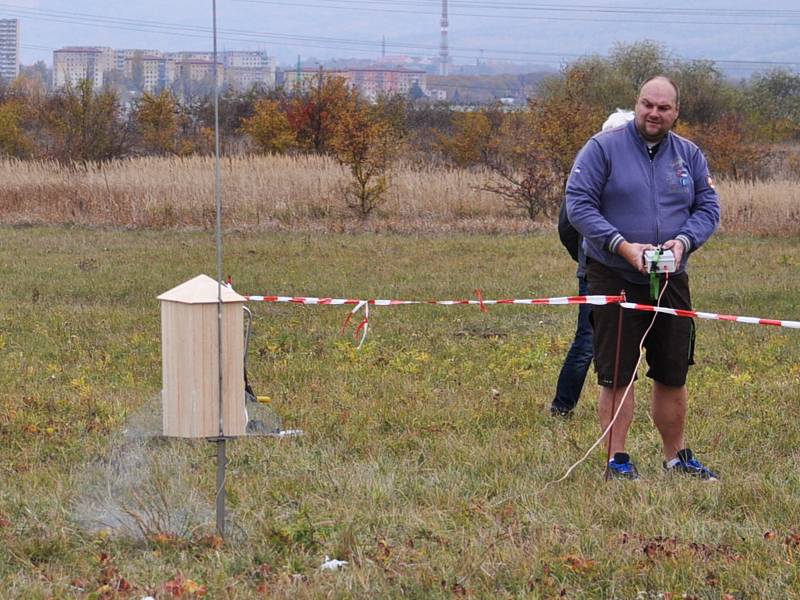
687, 464
621, 467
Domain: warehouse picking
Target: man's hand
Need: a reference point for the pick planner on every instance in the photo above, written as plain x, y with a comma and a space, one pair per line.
677, 248
634, 253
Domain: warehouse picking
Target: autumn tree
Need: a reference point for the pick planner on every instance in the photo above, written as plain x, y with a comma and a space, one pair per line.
705, 95
84, 125
234, 108
731, 152
469, 141
159, 119
564, 119
364, 142
269, 128
522, 171
312, 114
14, 141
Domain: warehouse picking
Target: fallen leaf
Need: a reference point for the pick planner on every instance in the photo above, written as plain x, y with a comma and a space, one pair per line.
175, 586
192, 587
212, 541
123, 585
578, 564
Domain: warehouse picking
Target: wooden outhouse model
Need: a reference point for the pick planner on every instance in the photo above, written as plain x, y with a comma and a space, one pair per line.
190, 360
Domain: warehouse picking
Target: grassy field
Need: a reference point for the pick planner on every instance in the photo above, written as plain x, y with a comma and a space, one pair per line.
425, 453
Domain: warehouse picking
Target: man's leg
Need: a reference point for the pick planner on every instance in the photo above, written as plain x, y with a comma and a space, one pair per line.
606, 412
579, 357
669, 415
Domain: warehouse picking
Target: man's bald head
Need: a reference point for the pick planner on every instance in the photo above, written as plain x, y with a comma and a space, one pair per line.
656, 108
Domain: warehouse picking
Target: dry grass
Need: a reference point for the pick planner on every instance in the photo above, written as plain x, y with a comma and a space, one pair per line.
291, 193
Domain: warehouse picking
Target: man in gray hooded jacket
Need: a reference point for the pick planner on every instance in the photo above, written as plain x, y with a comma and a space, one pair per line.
633, 189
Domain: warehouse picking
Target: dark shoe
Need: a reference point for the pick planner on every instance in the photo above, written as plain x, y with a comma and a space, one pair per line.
687, 464
621, 467
557, 411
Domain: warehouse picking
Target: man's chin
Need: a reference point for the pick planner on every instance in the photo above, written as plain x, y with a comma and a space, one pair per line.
654, 136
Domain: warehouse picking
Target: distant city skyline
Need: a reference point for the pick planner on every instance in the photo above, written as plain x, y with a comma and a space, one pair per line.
739, 35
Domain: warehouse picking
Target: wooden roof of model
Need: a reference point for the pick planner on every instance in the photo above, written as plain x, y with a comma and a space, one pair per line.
200, 290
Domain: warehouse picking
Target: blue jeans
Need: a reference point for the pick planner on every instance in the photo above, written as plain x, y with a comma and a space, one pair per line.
579, 357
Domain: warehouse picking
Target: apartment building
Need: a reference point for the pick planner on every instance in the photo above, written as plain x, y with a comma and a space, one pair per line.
189, 55
152, 72
244, 69
74, 63
125, 54
9, 49
370, 82
196, 69
373, 83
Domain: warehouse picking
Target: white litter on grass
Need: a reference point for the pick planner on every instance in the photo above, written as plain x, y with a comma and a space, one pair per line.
331, 564
287, 433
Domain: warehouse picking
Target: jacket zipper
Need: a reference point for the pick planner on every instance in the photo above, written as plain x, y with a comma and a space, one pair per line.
654, 193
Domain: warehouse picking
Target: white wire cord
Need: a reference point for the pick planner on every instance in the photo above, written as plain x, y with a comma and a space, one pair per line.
621, 402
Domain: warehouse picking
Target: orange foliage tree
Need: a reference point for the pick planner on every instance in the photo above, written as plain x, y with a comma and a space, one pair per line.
14, 141
471, 138
365, 142
729, 149
159, 120
269, 127
522, 172
312, 115
529, 153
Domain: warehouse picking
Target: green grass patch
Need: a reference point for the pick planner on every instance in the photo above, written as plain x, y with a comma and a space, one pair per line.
425, 452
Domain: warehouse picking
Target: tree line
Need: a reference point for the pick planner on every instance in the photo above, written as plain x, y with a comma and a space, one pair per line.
747, 128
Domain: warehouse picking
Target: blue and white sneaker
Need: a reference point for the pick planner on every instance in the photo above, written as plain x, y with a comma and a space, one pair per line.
687, 464
621, 467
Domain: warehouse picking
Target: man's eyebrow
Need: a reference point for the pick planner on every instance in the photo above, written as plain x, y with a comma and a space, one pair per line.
660, 105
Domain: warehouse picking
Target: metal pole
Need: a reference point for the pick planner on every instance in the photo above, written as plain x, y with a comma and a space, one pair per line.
221, 460
614, 384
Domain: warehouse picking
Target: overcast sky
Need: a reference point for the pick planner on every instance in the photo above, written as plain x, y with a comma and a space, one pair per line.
517, 30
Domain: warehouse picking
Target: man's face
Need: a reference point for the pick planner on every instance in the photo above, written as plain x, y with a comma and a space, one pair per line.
656, 110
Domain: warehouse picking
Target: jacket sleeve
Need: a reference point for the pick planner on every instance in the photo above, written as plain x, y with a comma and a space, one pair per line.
584, 189
704, 213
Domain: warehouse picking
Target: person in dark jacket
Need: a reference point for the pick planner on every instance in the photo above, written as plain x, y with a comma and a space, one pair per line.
579, 356
634, 189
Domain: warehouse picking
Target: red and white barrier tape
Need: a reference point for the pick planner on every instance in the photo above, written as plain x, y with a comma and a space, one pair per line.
713, 316
363, 326
479, 302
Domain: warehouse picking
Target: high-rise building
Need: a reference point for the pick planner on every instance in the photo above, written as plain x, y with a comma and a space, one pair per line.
9, 49
124, 54
152, 73
244, 69
75, 63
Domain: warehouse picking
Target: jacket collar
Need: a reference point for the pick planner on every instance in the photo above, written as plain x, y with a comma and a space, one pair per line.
631, 125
